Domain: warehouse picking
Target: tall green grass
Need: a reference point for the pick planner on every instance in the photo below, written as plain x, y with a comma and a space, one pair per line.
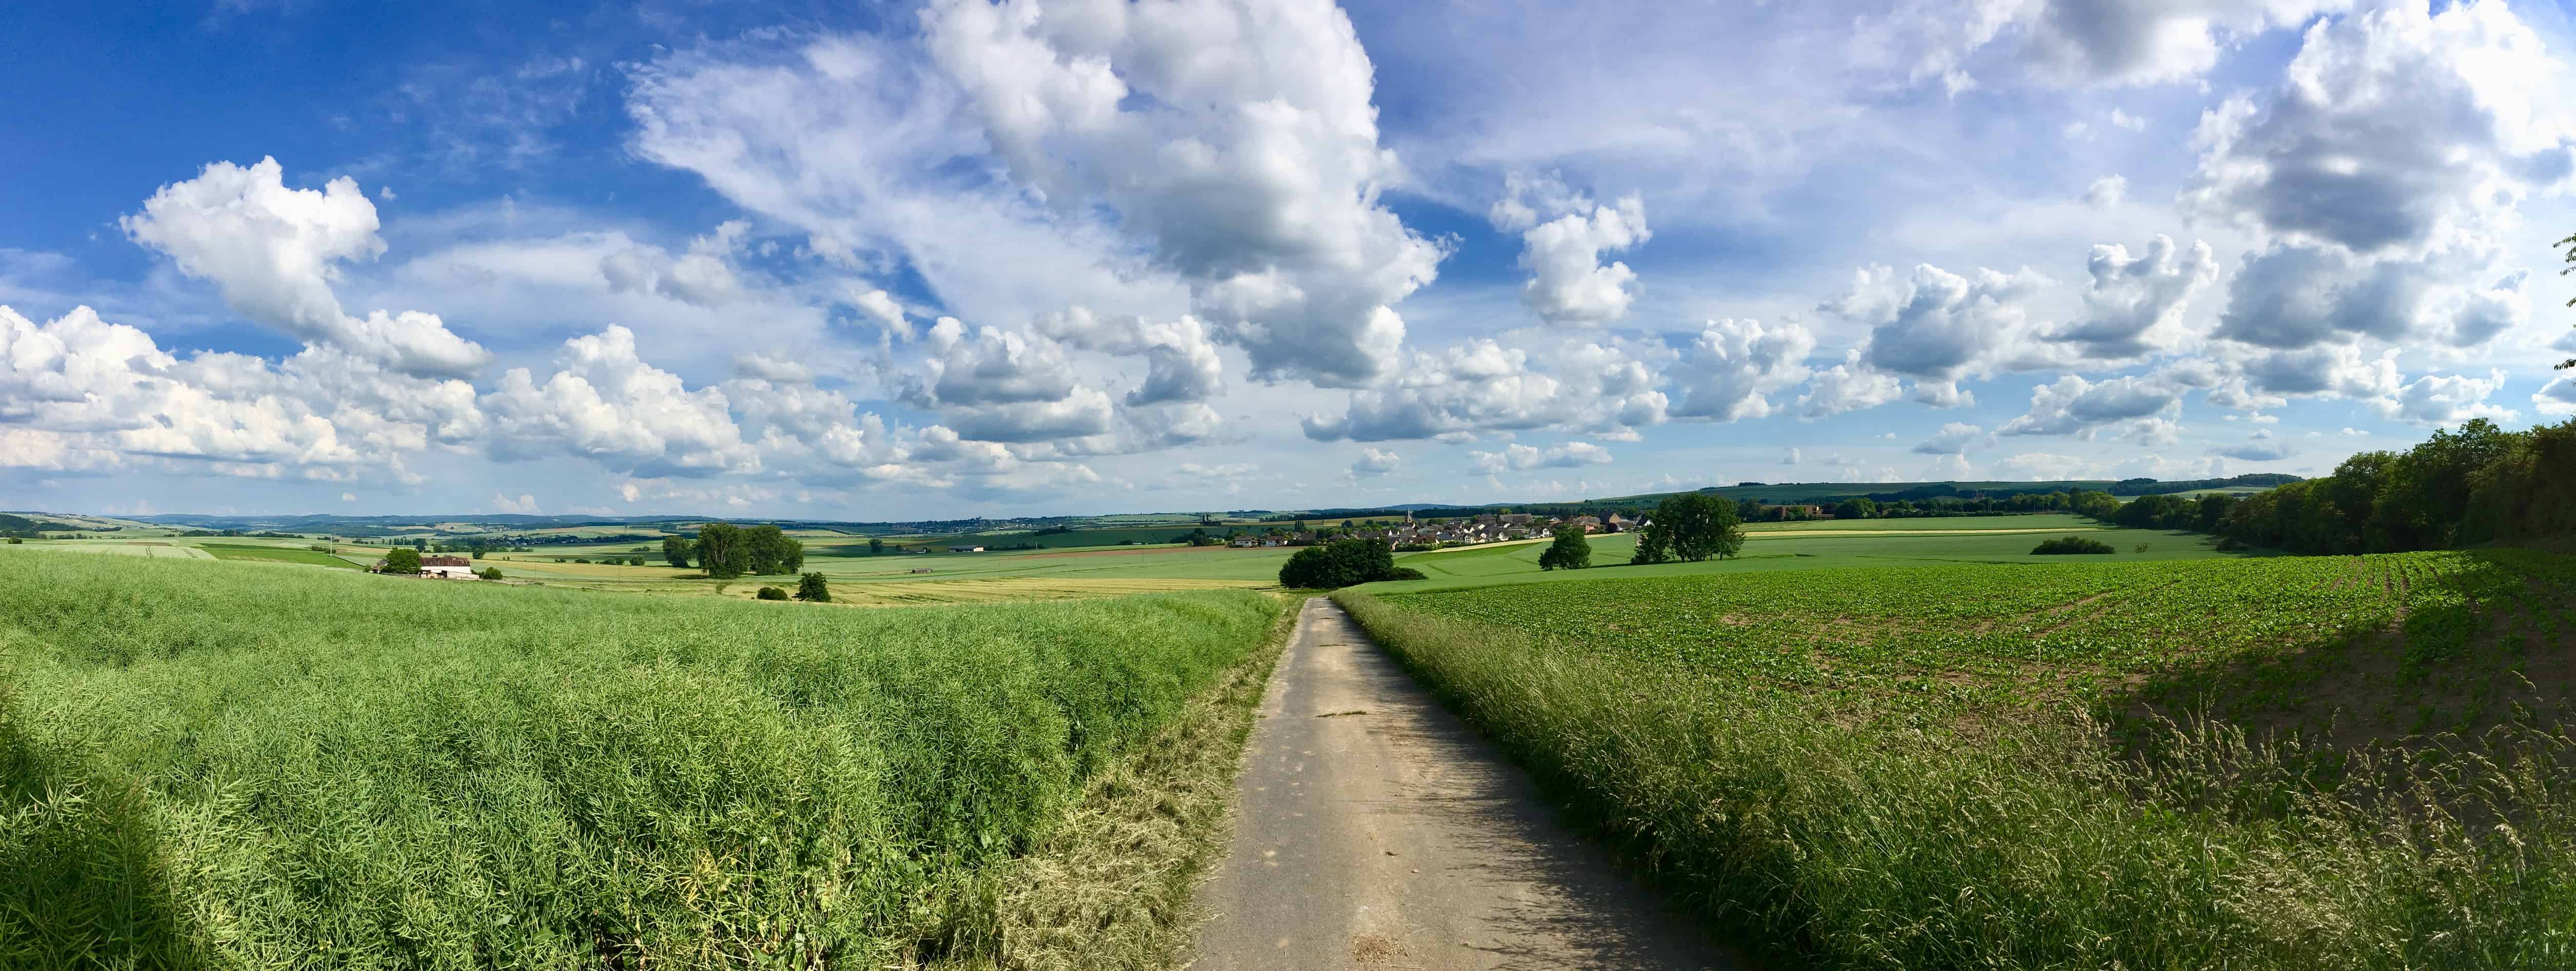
236, 765
1849, 838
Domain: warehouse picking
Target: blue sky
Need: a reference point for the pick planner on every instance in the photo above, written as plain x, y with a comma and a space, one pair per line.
1051, 256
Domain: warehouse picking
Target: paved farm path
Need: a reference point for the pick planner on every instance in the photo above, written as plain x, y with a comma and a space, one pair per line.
1378, 831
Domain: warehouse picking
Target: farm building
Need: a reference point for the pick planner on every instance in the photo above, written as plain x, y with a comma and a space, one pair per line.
965, 549
447, 567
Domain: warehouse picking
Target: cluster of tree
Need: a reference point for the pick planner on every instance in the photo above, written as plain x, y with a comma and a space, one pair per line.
1570, 551
1342, 563
1690, 527
1198, 537
2064, 545
2199, 515
2480, 484
404, 561
727, 551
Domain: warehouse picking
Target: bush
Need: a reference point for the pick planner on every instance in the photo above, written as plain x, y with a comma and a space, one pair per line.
811, 588
772, 593
2071, 544
489, 573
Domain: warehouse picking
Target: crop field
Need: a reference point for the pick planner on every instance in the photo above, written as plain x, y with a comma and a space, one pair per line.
276, 554
245, 764
1003, 590
1111, 570
163, 549
1808, 546
2289, 762
2031, 522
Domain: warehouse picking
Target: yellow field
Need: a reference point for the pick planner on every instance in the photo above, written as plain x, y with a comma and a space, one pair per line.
924, 592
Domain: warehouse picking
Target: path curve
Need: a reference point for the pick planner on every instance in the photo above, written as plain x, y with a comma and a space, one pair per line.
1378, 831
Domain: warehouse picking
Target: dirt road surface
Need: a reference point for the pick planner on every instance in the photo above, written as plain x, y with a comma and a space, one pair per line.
1379, 832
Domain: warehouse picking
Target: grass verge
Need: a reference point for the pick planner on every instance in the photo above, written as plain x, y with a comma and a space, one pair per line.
1836, 839
1111, 887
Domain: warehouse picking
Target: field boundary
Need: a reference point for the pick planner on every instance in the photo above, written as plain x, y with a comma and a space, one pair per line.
1114, 885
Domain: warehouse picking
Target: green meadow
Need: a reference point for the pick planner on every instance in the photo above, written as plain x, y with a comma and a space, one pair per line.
1821, 544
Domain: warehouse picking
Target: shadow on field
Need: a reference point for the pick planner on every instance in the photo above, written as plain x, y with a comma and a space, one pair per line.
2468, 657
82, 878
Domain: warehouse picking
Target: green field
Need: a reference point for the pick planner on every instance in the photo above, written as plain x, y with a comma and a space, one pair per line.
245, 764
2263, 763
1811, 545
276, 554
951, 578
166, 549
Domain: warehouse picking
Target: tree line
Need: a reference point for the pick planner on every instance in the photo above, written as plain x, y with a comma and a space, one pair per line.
727, 551
2479, 484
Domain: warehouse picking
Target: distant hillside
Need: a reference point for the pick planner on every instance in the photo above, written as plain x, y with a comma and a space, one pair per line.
1145, 527
22, 524
1824, 493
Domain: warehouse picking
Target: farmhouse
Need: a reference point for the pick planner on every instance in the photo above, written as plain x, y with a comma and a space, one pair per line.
447, 567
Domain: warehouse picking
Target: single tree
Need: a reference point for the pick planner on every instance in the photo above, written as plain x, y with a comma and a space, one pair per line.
402, 561
1690, 527
812, 588
1570, 551
675, 550
876, 547
721, 551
